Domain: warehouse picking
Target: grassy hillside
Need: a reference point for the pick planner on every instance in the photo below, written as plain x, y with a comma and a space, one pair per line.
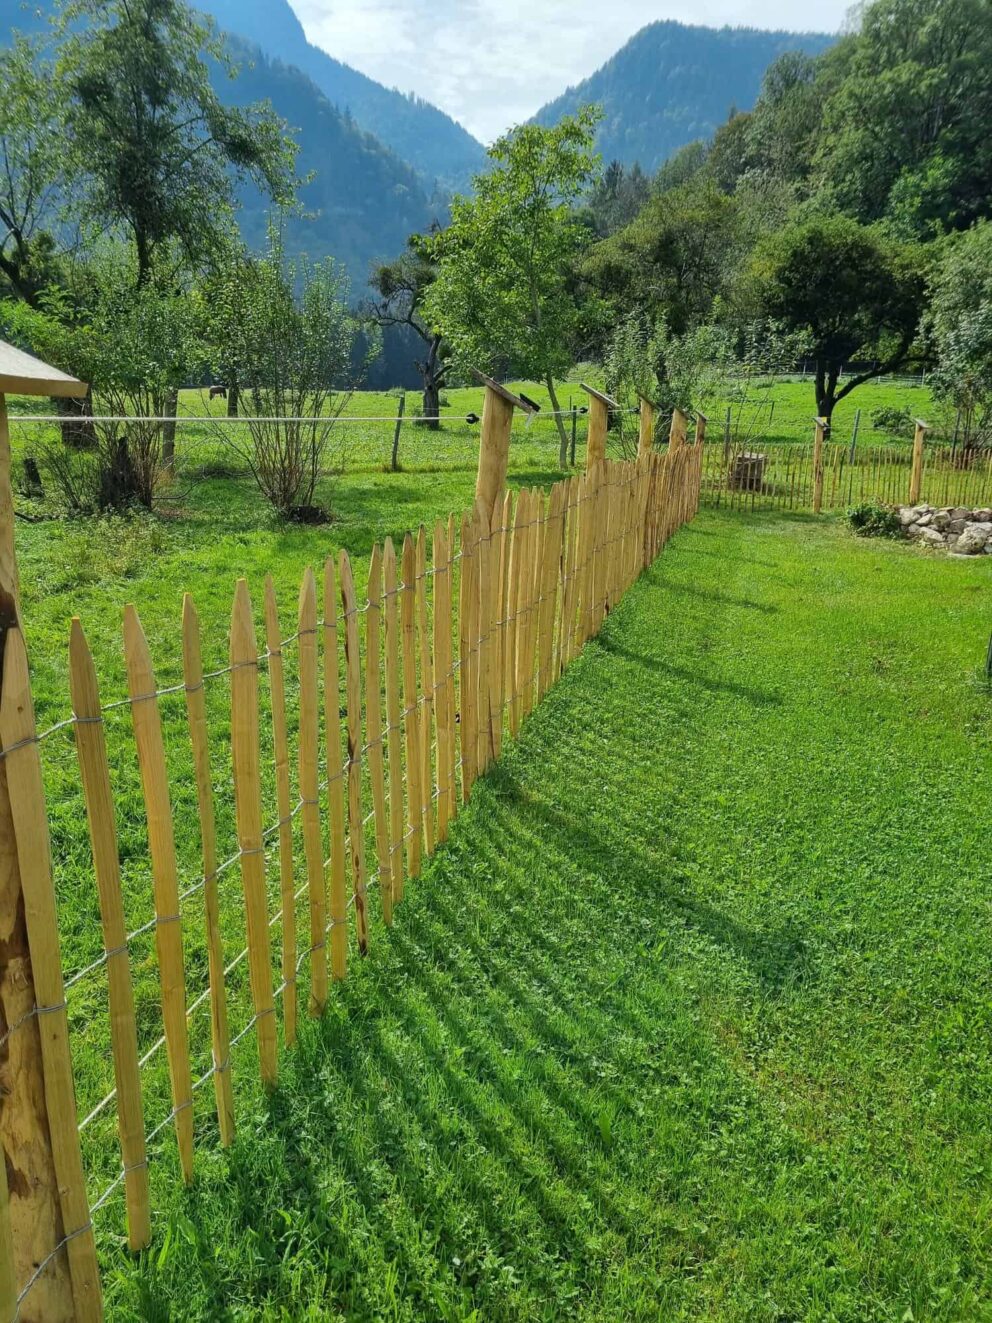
672, 83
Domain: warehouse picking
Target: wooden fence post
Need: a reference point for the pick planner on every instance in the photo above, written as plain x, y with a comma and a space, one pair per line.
335, 776
94, 769
701, 421
645, 438
916, 474
280, 750
376, 738
356, 825
599, 422
37, 1212
678, 431
29, 836
147, 725
313, 852
494, 442
196, 713
820, 426
245, 768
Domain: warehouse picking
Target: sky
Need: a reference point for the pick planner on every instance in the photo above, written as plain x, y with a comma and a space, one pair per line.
493, 63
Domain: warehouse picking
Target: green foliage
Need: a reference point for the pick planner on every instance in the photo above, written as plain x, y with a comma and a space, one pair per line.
133, 343
32, 149
848, 290
959, 328
673, 261
616, 198
672, 84
907, 131
282, 330
872, 519
892, 419
503, 295
149, 135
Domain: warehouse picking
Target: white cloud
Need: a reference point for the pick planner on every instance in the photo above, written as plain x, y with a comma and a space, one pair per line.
492, 64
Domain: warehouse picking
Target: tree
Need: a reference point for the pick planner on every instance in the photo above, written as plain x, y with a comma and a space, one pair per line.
849, 290
959, 329
135, 344
285, 332
148, 136
907, 129
503, 295
30, 174
401, 287
674, 260
616, 198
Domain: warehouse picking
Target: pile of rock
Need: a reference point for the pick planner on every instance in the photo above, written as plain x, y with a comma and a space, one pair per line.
962, 532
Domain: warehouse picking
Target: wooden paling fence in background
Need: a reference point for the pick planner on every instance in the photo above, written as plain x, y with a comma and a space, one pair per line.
828, 475
461, 632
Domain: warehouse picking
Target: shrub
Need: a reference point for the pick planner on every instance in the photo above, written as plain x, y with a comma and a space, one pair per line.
887, 418
286, 334
872, 519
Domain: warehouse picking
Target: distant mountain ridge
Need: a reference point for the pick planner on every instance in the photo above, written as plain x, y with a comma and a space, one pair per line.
363, 200
419, 133
673, 83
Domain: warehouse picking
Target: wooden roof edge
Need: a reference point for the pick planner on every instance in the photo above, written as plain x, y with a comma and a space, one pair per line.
23, 374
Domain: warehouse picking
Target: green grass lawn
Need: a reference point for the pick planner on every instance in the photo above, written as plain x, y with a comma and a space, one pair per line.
690, 1020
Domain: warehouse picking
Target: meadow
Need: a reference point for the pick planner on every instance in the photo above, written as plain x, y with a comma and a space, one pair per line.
690, 1018
666, 990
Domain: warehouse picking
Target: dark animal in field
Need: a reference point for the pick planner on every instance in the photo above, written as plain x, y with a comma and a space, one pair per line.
220, 391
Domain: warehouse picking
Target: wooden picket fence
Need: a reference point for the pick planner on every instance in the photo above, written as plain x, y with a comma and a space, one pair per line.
776, 475
460, 634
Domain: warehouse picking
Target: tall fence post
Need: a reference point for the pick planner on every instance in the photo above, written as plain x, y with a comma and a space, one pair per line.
916, 473
494, 441
820, 426
727, 423
599, 422
36, 1096
677, 432
645, 438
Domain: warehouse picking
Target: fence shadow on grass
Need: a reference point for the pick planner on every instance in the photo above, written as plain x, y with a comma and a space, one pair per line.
476, 1089
749, 693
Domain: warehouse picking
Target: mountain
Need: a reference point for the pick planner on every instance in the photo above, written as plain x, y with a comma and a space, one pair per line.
673, 83
441, 150
363, 200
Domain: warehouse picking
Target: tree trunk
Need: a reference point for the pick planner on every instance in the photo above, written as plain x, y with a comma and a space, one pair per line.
559, 422
169, 429
233, 392
395, 460
827, 375
77, 433
433, 375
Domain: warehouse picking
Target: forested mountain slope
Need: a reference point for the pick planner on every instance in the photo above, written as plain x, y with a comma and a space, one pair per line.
672, 83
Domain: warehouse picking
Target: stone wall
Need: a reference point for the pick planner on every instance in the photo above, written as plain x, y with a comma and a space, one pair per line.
960, 531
